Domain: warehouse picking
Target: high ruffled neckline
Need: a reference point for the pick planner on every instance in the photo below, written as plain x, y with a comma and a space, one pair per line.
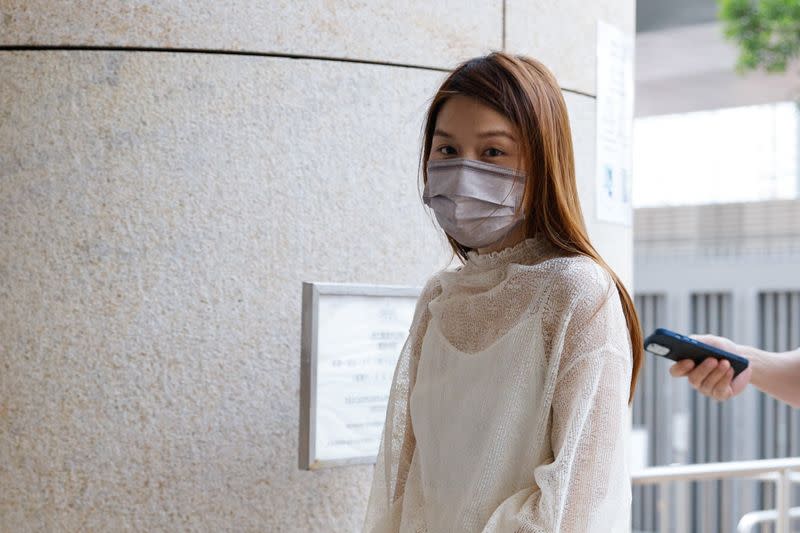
526, 251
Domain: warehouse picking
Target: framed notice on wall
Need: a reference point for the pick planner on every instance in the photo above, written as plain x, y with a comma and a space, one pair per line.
352, 336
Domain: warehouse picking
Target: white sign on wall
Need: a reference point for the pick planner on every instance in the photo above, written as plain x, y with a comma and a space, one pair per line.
352, 337
615, 87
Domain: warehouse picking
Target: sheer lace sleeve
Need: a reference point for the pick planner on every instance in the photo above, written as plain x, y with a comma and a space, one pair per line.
397, 441
586, 487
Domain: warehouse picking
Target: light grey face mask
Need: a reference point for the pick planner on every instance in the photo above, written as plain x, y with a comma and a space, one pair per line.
474, 202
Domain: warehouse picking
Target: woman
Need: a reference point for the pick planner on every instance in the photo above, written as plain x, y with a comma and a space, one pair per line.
509, 404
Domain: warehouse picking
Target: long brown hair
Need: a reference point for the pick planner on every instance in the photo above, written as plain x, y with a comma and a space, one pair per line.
527, 93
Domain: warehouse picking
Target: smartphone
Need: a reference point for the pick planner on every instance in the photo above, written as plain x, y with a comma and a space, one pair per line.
666, 343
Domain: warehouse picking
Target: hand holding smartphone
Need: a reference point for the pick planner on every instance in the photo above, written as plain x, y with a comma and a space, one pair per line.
667, 343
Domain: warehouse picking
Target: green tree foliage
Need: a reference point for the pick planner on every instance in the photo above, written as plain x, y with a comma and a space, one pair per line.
767, 32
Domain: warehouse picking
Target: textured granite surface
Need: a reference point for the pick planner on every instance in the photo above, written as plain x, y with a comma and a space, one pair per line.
563, 34
436, 34
158, 213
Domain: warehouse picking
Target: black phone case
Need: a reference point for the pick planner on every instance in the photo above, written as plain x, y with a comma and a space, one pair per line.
682, 347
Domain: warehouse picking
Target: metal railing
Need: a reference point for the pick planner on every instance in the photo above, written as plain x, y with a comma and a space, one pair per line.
782, 472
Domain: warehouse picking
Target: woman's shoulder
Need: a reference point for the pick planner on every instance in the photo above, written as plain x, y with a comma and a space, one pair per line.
432, 287
578, 275
430, 290
575, 284
583, 298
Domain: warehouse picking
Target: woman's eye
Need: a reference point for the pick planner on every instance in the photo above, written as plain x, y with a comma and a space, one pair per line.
447, 150
494, 152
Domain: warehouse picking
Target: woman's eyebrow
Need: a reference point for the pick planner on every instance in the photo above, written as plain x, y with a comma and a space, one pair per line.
490, 133
493, 133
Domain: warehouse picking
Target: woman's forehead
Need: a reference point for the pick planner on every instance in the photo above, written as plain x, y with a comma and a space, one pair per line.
464, 113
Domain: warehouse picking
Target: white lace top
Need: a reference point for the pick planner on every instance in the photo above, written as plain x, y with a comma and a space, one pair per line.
508, 411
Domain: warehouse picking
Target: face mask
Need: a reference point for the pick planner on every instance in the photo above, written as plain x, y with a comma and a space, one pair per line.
474, 202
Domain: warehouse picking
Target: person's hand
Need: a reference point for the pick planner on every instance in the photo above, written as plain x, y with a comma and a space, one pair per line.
713, 377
